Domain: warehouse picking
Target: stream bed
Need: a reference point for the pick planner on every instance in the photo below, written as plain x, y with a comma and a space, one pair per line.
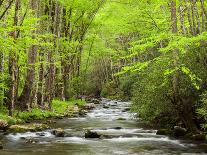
126, 136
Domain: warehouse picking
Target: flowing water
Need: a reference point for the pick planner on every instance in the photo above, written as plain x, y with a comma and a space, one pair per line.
126, 136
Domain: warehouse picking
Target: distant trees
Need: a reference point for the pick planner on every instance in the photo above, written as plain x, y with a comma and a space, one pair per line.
158, 52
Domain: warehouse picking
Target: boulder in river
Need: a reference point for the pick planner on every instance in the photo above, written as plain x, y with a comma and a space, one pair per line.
90, 106
58, 132
106, 107
3, 125
117, 128
179, 131
92, 134
126, 110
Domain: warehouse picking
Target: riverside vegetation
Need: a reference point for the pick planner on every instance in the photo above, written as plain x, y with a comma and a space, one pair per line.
154, 53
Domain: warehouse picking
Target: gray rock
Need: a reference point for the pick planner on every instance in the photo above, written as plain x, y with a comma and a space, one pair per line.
90, 134
106, 107
90, 106
179, 131
58, 132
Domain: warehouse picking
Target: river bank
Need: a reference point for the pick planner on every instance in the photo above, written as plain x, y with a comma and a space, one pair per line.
25, 121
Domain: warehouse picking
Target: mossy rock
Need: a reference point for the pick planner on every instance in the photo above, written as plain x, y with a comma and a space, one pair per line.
4, 125
163, 132
179, 131
91, 134
29, 127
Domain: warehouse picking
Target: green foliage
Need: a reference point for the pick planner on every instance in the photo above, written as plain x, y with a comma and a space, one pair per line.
59, 108
202, 110
149, 95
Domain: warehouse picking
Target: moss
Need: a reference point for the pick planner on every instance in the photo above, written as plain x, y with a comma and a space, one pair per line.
59, 109
163, 132
30, 127
8, 119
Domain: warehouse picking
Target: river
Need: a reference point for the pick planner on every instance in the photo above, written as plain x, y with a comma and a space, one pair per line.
128, 136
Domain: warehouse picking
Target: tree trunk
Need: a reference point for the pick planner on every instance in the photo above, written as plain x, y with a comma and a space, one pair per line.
30, 77
13, 65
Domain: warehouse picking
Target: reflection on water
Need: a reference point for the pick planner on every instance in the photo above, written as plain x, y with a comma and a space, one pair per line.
125, 136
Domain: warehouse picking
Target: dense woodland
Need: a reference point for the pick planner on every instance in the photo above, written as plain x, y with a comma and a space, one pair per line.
152, 52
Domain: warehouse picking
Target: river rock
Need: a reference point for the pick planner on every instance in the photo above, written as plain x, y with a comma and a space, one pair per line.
75, 109
179, 131
106, 107
117, 128
96, 101
126, 110
28, 127
91, 134
162, 132
199, 137
83, 113
58, 132
42, 134
3, 125
90, 106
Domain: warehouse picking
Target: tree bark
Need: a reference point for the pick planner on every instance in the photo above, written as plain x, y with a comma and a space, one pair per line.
24, 99
13, 65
